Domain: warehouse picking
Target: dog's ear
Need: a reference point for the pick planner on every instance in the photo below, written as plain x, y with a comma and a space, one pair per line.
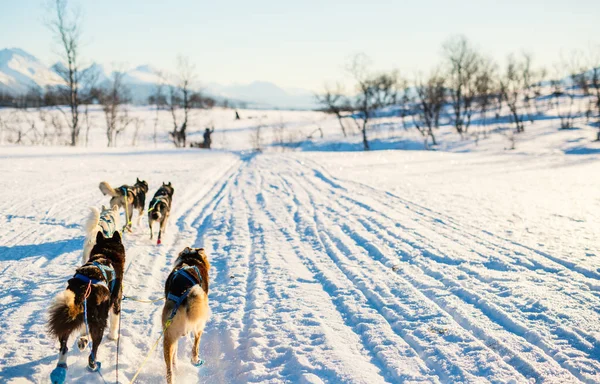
103, 208
137, 179
165, 183
204, 257
169, 184
115, 208
186, 251
100, 237
116, 236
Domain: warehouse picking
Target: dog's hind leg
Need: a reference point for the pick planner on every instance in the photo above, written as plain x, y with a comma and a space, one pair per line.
163, 227
115, 314
113, 333
59, 374
96, 332
169, 344
196, 350
82, 341
150, 222
140, 213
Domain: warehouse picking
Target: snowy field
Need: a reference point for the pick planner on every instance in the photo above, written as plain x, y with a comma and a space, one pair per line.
327, 267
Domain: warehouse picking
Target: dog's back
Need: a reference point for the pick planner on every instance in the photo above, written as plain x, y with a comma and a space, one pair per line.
160, 205
193, 310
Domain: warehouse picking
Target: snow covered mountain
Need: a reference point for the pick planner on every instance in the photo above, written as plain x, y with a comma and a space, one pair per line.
21, 71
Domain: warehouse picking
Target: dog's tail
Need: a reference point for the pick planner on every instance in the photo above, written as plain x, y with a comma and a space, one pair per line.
66, 312
107, 189
156, 214
91, 229
64, 316
92, 221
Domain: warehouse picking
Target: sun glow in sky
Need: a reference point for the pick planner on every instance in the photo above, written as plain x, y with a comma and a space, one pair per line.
305, 43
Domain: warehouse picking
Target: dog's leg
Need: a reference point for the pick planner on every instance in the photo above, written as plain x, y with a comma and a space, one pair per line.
169, 344
59, 374
130, 218
96, 333
113, 333
163, 226
196, 349
150, 225
62, 357
140, 212
82, 341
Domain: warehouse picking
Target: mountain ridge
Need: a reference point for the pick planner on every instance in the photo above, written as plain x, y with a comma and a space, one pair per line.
21, 71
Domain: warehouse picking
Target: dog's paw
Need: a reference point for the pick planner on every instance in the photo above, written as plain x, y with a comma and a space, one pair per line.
82, 343
197, 362
59, 374
94, 366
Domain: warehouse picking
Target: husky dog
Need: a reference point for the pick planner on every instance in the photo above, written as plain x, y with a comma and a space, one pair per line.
135, 197
186, 305
160, 208
105, 221
96, 288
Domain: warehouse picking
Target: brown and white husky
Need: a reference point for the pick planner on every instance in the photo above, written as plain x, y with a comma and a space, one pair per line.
186, 306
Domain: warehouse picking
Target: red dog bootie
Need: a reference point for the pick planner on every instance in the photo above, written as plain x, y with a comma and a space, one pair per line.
158, 242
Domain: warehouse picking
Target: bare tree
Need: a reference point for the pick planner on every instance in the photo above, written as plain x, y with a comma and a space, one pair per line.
113, 99
464, 64
591, 76
334, 101
512, 88
404, 101
66, 27
430, 99
159, 100
180, 96
374, 91
486, 89
566, 77
256, 138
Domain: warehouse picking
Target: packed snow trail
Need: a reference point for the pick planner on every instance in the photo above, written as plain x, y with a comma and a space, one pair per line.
313, 279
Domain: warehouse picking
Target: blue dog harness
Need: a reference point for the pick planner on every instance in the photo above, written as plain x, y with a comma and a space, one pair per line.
108, 272
110, 226
183, 273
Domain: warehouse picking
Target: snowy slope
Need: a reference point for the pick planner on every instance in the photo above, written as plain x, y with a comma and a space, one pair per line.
356, 268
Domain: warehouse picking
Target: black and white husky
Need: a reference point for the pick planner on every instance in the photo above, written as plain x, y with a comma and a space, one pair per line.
127, 197
160, 208
95, 289
105, 221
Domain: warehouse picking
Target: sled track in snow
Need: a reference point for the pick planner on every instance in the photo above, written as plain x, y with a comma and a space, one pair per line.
396, 282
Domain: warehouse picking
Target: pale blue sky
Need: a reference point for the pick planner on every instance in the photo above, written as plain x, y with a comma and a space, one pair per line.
303, 43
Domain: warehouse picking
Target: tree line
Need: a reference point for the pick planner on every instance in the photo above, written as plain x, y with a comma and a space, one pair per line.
466, 84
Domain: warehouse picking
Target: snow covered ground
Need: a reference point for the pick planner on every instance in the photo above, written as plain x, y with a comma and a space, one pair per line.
380, 267
389, 266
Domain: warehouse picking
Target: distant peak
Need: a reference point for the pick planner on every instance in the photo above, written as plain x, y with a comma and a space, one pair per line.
145, 68
7, 53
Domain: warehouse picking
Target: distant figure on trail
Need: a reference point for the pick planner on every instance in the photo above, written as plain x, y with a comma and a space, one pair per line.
207, 140
237, 115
